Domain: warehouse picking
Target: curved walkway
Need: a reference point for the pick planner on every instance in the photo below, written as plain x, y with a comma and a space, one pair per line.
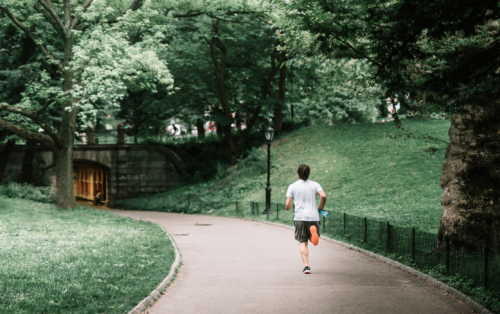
237, 266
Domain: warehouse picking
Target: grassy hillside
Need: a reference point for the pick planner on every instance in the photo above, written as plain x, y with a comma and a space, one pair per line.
362, 171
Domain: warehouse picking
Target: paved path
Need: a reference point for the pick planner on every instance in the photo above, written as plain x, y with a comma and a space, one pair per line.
237, 266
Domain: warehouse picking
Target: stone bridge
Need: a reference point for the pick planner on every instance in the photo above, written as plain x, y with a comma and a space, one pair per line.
117, 171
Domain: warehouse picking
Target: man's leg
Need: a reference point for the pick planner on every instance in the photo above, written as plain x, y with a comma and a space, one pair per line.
304, 253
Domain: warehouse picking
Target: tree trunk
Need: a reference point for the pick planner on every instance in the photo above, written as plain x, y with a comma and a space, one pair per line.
233, 147
64, 182
26, 175
238, 122
201, 129
219, 128
278, 110
471, 180
4, 158
66, 135
28, 48
90, 136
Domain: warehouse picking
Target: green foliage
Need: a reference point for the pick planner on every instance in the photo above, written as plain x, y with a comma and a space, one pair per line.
77, 261
42, 194
108, 65
289, 125
413, 47
337, 95
105, 63
487, 297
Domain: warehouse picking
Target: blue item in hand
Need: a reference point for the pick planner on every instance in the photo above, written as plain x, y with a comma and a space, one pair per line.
324, 213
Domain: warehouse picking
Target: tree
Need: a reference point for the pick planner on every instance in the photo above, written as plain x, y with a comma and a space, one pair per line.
89, 44
454, 48
225, 61
331, 93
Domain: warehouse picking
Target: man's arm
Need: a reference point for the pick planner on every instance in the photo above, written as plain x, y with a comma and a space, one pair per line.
289, 203
322, 201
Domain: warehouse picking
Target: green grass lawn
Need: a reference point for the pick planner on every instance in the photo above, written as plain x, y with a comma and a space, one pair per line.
366, 174
363, 172
77, 261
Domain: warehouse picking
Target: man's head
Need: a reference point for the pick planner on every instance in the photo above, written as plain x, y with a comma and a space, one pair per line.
303, 172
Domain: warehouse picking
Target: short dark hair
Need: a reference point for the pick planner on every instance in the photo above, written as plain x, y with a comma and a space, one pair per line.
304, 171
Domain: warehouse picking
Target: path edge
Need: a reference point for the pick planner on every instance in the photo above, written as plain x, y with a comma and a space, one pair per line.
478, 308
157, 293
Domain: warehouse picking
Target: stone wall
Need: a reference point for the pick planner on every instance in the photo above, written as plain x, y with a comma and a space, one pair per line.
133, 170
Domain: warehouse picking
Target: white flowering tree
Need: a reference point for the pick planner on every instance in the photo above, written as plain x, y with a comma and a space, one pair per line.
101, 50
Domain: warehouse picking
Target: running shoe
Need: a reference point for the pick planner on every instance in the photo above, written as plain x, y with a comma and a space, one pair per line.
314, 235
307, 270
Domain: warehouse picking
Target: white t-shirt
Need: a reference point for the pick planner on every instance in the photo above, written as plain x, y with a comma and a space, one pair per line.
304, 195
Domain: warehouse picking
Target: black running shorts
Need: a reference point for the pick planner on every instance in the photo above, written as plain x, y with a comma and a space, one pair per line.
302, 230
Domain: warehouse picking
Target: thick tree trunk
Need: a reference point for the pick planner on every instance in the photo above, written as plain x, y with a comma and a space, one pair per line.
4, 158
66, 135
26, 175
471, 180
200, 128
64, 175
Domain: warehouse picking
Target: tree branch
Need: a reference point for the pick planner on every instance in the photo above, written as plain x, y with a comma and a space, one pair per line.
136, 5
76, 20
67, 14
47, 104
28, 134
221, 19
33, 115
358, 52
188, 14
49, 18
33, 37
47, 5
382, 66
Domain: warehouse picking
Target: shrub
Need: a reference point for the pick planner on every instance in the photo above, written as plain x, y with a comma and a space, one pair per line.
290, 125
29, 192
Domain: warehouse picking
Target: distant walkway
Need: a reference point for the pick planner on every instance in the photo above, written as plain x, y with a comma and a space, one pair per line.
236, 266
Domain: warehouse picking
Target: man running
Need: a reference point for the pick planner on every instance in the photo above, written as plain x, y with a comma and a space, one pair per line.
303, 192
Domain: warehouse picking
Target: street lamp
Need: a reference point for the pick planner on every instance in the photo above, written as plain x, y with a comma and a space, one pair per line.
269, 137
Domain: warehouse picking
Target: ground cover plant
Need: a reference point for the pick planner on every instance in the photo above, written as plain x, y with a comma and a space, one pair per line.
77, 261
42, 194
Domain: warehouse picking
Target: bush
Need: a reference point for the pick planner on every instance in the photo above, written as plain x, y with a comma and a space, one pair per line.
289, 125
29, 192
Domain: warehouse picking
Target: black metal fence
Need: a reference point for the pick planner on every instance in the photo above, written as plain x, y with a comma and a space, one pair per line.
407, 245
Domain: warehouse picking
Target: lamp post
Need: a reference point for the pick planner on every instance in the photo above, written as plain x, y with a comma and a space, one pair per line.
269, 137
